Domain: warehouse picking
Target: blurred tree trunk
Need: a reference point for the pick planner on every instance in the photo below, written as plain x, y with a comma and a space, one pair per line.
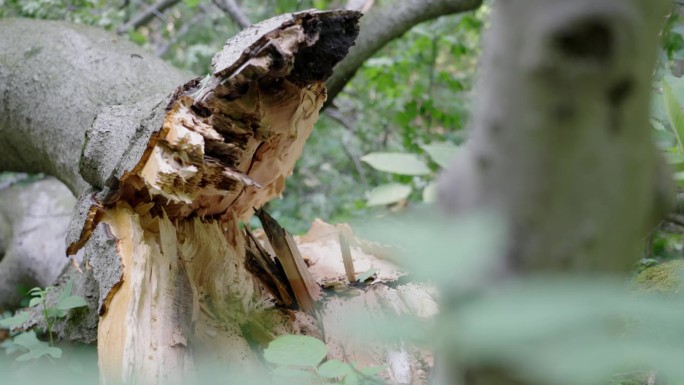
560, 142
164, 177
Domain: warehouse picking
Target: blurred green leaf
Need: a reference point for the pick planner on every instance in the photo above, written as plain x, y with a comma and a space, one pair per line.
334, 369
441, 153
430, 192
295, 350
15, 320
192, 3
39, 352
388, 194
35, 301
283, 371
35, 347
456, 252
71, 302
675, 115
372, 370
137, 37
396, 163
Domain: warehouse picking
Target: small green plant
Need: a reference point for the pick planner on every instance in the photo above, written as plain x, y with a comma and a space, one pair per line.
297, 359
28, 341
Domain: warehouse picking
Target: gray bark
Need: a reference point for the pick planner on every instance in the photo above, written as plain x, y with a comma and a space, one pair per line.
560, 144
386, 23
54, 78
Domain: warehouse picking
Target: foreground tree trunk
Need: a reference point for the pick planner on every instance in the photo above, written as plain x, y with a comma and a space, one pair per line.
561, 142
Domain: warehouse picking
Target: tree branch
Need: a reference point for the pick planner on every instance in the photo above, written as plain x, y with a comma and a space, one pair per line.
43, 119
233, 10
384, 24
184, 29
145, 17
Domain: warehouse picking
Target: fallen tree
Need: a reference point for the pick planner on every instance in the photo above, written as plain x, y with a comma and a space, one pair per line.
166, 170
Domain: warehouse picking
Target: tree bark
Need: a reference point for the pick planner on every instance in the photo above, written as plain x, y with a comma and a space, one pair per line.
560, 144
385, 23
37, 104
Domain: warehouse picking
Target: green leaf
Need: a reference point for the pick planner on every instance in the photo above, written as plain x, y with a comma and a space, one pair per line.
36, 348
10, 347
39, 352
334, 369
137, 37
295, 350
388, 193
192, 3
16, 320
53, 312
367, 274
37, 292
453, 252
284, 371
71, 302
674, 113
35, 301
66, 292
28, 340
441, 153
430, 193
372, 370
396, 163
351, 379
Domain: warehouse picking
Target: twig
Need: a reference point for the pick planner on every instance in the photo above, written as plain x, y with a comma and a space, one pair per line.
145, 17
233, 10
198, 18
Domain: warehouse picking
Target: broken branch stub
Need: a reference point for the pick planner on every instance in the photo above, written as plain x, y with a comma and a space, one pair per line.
224, 143
173, 177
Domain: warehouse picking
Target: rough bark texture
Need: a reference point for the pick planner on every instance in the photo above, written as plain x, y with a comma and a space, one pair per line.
561, 144
385, 23
57, 75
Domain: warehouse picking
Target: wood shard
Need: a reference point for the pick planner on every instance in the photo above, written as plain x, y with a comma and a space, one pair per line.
306, 290
347, 258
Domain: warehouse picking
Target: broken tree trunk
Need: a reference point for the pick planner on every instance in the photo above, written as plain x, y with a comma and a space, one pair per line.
202, 159
560, 145
165, 178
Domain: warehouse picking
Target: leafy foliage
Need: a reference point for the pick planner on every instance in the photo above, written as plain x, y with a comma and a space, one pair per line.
297, 360
93, 12
27, 341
